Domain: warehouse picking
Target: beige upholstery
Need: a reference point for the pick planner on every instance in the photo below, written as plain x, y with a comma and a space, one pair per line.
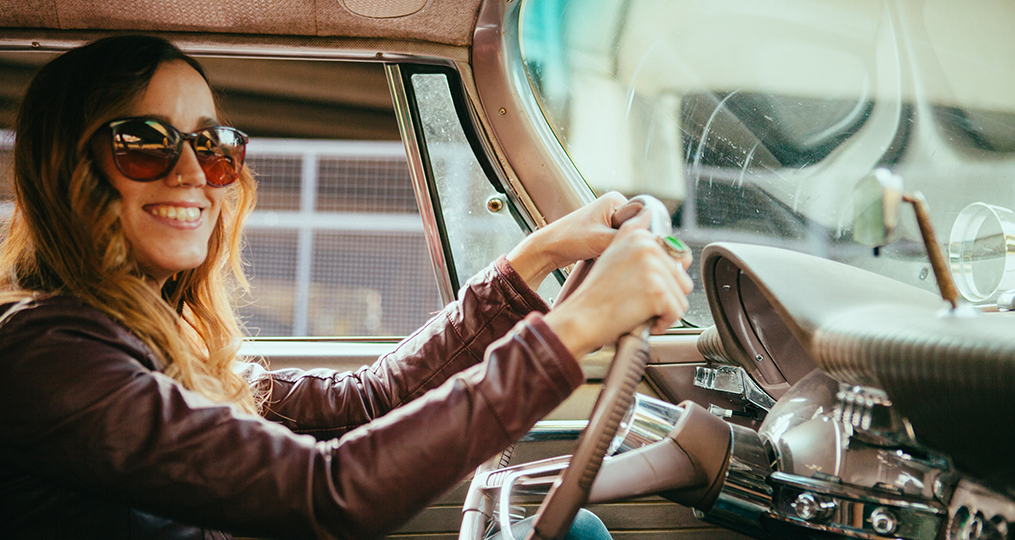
439, 21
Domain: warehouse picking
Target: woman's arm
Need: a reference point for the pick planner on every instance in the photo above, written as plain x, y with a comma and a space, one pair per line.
89, 419
93, 421
326, 404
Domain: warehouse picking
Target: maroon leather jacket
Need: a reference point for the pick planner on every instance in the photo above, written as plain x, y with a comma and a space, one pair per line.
96, 443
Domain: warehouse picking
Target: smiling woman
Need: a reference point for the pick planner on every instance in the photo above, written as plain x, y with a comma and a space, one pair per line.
91, 244
116, 321
169, 218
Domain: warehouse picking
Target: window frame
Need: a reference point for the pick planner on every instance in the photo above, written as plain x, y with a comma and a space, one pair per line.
424, 182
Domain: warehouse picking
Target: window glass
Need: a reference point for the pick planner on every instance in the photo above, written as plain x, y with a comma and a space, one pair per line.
478, 220
754, 121
335, 246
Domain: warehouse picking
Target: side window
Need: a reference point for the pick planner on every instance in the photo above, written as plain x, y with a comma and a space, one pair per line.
480, 222
335, 246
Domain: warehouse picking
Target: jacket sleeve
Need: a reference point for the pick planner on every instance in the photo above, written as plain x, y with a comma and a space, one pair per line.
326, 404
84, 413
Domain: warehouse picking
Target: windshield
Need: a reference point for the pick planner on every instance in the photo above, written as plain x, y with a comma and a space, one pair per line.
754, 121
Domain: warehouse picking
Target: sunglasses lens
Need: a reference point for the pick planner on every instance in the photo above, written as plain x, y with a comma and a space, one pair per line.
144, 150
220, 150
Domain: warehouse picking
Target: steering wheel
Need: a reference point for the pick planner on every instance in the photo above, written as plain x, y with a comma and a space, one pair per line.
571, 490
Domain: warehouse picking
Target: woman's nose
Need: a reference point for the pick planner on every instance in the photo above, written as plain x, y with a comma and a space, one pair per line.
188, 171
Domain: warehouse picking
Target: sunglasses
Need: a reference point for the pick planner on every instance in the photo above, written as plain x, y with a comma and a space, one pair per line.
145, 150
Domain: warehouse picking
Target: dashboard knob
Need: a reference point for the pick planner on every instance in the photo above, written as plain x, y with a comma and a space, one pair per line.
811, 507
884, 521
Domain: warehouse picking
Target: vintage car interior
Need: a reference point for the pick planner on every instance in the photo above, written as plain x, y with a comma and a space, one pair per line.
842, 170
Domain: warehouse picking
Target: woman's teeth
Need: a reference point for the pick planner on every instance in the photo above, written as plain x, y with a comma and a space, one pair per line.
179, 213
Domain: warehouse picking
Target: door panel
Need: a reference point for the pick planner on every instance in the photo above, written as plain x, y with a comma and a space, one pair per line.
673, 359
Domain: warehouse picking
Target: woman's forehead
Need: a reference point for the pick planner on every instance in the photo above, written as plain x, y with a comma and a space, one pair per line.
178, 94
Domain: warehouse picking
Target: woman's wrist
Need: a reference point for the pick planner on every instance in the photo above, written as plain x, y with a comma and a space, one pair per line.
531, 260
571, 330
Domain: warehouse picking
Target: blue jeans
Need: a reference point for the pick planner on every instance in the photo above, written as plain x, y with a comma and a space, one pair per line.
586, 526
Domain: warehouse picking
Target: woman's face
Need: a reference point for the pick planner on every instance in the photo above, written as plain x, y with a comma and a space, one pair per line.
166, 235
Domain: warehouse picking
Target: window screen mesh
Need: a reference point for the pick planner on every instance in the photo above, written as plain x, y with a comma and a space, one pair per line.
270, 258
370, 284
351, 259
278, 180
365, 185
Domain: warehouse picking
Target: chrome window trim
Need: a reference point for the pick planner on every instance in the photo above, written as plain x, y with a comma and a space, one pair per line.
251, 46
491, 154
417, 170
508, 178
362, 347
515, 118
555, 430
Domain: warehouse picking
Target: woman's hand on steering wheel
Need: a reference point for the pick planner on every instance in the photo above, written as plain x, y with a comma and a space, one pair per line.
633, 281
582, 234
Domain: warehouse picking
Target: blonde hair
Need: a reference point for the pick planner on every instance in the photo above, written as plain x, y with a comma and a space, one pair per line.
65, 236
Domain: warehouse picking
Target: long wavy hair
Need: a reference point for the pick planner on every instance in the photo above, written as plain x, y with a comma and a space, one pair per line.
65, 235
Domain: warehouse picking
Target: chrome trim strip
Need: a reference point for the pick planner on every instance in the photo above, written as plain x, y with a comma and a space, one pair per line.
417, 171
865, 495
745, 496
289, 349
514, 118
324, 339
253, 46
555, 430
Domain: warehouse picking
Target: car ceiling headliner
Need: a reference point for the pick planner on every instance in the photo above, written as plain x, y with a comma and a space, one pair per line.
334, 101
449, 22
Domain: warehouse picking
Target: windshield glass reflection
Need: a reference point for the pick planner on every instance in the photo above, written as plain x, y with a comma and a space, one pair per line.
754, 121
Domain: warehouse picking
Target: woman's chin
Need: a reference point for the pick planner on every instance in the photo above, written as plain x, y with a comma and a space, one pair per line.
162, 271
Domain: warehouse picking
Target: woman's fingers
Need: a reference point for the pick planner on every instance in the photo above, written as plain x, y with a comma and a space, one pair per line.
663, 279
676, 284
678, 268
582, 234
634, 281
640, 221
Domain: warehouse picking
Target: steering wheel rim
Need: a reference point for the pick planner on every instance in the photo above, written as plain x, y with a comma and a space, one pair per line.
571, 490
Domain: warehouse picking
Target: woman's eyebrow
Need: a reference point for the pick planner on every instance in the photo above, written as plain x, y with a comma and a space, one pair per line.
159, 117
202, 123
206, 122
